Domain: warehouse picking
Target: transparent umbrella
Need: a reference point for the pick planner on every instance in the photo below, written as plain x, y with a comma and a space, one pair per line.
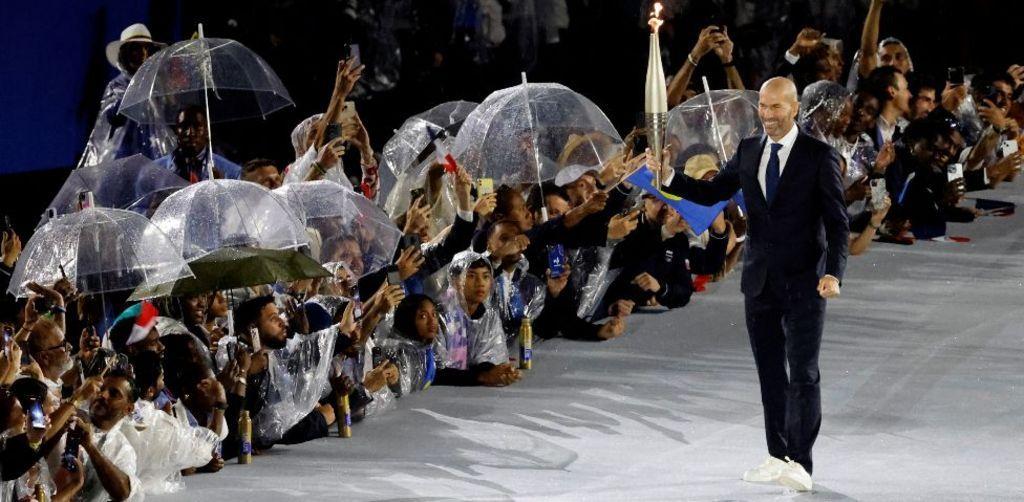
214, 214
343, 226
134, 183
100, 250
408, 155
527, 133
698, 127
237, 83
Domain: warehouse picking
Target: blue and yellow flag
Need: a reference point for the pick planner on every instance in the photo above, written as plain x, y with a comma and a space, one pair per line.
697, 216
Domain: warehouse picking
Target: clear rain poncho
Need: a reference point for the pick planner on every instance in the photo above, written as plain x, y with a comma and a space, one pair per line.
590, 277
296, 379
469, 341
409, 154
518, 295
692, 129
518, 128
164, 446
101, 250
346, 227
212, 214
113, 136
299, 170
134, 183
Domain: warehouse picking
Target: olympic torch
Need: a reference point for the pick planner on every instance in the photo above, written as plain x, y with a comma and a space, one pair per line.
655, 94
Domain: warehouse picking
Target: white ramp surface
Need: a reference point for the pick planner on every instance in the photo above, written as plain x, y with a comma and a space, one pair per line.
922, 388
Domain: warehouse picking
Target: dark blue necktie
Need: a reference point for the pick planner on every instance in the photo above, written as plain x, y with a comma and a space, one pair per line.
771, 174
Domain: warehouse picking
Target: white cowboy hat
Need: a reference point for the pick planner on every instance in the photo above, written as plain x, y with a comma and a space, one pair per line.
132, 34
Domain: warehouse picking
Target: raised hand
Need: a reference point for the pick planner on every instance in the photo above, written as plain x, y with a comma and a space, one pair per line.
622, 225
806, 40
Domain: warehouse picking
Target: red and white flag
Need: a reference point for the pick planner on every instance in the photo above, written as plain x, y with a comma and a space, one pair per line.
143, 323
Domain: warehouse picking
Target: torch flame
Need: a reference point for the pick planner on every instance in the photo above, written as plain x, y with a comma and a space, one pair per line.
655, 21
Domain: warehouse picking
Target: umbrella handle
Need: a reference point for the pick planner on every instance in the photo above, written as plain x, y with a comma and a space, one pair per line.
209, 125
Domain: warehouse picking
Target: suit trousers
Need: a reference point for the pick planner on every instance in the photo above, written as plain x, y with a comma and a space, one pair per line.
785, 327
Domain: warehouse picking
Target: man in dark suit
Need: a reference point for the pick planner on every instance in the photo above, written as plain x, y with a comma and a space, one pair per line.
796, 251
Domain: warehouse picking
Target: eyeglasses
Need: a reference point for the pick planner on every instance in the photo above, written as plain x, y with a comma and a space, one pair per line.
62, 345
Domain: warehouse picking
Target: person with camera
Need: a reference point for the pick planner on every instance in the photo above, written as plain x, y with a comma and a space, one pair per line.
110, 462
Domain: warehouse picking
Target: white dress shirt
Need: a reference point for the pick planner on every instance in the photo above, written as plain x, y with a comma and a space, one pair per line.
787, 142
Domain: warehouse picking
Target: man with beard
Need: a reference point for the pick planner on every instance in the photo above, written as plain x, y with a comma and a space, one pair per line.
47, 346
284, 378
190, 158
111, 461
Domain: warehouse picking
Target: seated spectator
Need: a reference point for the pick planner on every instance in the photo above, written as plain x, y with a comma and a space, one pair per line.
655, 268
473, 348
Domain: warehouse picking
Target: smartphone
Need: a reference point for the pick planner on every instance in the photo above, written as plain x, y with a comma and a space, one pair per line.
348, 112
394, 278
955, 171
72, 439
377, 356
877, 193
484, 186
254, 337
332, 132
835, 43
416, 193
556, 260
7, 224
955, 75
410, 240
1008, 147
352, 52
36, 415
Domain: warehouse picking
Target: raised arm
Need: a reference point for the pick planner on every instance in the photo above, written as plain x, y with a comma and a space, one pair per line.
707, 40
869, 39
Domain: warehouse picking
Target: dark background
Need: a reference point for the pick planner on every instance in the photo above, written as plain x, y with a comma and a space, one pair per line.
54, 70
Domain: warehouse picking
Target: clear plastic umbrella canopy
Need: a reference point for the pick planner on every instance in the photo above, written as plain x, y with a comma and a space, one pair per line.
409, 154
101, 250
693, 130
214, 214
238, 83
517, 129
134, 183
404, 150
343, 226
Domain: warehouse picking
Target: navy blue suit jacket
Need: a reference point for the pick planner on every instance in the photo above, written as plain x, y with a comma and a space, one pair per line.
803, 234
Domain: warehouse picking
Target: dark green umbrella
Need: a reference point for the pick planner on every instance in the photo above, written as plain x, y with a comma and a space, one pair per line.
237, 267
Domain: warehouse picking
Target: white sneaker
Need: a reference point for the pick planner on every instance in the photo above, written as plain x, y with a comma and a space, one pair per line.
795, 476
767, 472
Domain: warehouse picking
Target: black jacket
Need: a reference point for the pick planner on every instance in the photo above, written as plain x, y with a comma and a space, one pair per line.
669, 261
804, 234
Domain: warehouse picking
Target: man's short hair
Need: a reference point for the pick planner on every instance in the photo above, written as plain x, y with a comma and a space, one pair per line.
880, 80
254, 164
128, 376
36, 344
249, 312
147, 369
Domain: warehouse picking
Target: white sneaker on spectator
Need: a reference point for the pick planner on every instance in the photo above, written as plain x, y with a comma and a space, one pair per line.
767, 472
796, 477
